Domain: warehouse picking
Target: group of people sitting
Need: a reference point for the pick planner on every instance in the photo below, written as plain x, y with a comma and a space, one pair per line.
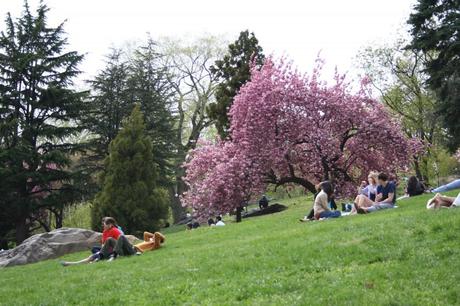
218, 222
115, 243
376, 194
194, 224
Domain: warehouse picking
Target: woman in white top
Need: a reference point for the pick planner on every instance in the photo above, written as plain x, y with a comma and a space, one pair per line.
321, 204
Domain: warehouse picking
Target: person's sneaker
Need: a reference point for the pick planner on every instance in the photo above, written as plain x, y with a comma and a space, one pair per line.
63, 263
138, 253
112, 258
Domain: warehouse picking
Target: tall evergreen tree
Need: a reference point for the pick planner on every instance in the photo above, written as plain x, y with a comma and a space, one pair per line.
234, 71
130, 78
435, 32
129, 192
149, 87
38, 112
110, 103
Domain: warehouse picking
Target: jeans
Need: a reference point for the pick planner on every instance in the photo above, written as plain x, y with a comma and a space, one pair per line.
124, 247
330, 214
379, 206
451, 186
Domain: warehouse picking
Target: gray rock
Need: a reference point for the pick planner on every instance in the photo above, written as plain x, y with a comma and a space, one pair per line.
50, 245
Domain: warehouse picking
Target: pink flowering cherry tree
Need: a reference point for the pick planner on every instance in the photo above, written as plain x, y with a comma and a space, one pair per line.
290, 128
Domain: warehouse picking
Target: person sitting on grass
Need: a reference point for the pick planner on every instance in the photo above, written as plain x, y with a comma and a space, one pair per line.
414, 187
110, 231
366, 191
263, 202
440, 201
219, 221
211, 222
385, 198
321, 205
122, 247
331, 204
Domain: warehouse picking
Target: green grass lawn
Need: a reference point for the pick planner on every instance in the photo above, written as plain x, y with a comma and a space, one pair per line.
404, 256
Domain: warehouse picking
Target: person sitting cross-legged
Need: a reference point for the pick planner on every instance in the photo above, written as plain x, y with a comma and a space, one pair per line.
385, 198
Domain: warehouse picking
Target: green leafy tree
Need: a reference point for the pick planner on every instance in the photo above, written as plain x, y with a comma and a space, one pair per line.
435, 32
233, 71
38, 114
129, 192
398, 76
194, 89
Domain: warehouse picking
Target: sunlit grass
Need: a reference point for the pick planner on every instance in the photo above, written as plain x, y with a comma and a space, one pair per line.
404, 256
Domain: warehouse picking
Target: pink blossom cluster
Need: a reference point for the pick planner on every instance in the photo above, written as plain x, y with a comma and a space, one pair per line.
288, 128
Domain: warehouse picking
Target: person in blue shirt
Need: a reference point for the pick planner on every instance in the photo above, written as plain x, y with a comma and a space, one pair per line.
385, 198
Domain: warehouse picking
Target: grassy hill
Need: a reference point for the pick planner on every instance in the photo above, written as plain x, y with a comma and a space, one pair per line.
404, 256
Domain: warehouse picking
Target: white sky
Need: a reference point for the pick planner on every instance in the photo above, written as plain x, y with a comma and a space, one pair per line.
298, 29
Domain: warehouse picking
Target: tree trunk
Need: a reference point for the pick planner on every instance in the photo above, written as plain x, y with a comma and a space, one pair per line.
238, 214
22, 231
418, 173
59, 216
178, 211
3, 244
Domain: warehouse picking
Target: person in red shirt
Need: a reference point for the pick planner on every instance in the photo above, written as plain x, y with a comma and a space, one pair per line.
110, 233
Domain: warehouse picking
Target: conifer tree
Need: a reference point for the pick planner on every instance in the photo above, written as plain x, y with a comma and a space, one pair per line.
129, 191
234, 70
39, 111
435, 31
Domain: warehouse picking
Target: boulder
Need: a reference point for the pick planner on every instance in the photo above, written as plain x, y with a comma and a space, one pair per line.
271, 209
50, 245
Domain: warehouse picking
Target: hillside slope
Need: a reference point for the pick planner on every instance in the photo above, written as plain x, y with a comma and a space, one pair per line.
404, 256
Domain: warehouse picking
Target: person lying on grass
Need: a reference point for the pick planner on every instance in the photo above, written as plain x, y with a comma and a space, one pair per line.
385, 198
440, 201
110, 231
